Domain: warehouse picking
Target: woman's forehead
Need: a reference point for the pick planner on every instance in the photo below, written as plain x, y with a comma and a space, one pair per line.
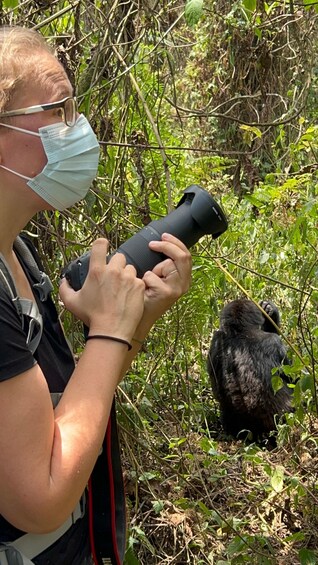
52, 76
48, 82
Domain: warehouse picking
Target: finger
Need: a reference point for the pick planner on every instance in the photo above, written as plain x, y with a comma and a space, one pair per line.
117, 260
69, 297
163, 268
169, 237
65, 290
131, 269
98, 253
180, 257
174, 272
152, 280
173, 239
170, 246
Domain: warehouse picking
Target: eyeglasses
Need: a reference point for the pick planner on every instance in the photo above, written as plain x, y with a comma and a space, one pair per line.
68, 108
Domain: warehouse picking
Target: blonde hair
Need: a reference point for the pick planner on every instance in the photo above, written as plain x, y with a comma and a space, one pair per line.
19, 51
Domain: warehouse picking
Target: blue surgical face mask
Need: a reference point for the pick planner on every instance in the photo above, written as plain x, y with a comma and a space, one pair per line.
72, 162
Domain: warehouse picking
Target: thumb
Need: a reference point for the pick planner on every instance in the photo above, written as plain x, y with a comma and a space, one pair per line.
150, 279
66, 292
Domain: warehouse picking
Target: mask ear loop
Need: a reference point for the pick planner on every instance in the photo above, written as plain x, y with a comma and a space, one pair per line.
20, 129
23, 131
15, 173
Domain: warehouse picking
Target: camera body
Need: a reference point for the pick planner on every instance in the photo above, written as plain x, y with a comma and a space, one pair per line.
197, 214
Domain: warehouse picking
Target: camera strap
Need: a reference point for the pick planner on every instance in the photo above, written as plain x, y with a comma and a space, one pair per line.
106, 500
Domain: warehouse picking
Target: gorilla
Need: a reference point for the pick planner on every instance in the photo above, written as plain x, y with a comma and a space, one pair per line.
242, 355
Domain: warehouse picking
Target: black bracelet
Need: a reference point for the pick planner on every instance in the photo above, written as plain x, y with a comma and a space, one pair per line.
110, 337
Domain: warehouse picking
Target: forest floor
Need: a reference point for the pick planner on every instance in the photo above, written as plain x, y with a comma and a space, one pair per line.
208, 499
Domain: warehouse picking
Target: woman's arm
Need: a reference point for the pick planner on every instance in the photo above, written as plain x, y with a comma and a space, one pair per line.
47, 455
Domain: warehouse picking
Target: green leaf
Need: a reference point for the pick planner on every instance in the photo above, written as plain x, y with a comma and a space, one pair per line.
130, 557
298, 536
148, 476
277, 383
193, 11
142, 536
10, 4
250, 5
209, 446
306, 383
157, 506
257, 132
254, 200
264, 256
307, 557
236, 546
277, 479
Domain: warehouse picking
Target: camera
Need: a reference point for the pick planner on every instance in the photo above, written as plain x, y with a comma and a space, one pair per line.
197, 214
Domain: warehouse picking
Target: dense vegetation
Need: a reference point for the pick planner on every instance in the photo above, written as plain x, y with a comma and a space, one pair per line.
222, 94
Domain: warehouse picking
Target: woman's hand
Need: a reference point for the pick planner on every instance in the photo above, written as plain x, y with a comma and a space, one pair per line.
169, 280
111, 300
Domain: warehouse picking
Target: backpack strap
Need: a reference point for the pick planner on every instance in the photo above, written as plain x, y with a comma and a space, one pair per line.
24, 549
25, 307
43, 286
9, 554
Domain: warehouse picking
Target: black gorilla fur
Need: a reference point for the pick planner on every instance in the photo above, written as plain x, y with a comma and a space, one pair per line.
242, 354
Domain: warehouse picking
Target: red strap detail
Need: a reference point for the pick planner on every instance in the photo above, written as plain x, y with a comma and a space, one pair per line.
111, 490
91, 522
108, 446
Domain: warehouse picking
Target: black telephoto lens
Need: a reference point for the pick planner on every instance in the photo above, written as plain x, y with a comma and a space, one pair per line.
197, 214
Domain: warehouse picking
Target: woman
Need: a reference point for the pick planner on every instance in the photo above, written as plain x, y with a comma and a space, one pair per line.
48, 158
